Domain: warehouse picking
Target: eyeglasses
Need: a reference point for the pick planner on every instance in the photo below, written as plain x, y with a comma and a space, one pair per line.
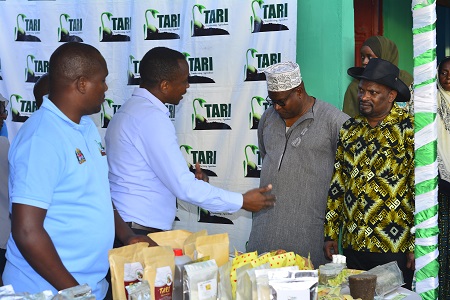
281, 102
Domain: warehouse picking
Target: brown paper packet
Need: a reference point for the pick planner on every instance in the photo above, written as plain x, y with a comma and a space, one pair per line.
118, 257
172, 238
215, 246
159, 267
189, 243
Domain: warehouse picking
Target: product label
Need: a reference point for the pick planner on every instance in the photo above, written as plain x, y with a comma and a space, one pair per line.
132, 273
163, 283
207, 290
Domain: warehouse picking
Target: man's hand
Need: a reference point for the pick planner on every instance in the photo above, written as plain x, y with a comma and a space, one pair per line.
410, 261
199, 174
330, 248
256, 199
133, 239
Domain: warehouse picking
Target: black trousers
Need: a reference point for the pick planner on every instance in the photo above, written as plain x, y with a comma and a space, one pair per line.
367, 260
2, 263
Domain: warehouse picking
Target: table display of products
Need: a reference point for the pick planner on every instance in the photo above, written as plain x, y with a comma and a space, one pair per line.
389, 279
80, 292
197, 266
210, 273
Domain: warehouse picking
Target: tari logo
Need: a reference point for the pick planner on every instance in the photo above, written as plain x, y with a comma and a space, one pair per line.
215, 115
165, 23
212, 18
134, 78
199, 65
276, 12
21, 109
171, 109
75, 26
263, 60
204, 158
252, 169
31, 25
255, 117
105, 117
121, 27
35, 67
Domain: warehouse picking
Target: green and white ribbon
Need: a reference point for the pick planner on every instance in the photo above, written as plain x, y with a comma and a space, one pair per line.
426, 169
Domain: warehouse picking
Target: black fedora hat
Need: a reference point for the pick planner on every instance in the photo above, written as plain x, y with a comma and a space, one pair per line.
383, 72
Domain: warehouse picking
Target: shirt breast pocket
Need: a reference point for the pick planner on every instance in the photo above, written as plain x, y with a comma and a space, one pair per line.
391, 161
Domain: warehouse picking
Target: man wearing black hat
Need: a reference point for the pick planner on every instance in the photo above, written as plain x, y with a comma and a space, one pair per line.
371, 196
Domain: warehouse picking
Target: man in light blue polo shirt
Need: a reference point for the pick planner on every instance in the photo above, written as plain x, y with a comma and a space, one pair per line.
62, 215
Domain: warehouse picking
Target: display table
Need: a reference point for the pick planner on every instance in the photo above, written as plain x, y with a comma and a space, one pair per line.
397, 294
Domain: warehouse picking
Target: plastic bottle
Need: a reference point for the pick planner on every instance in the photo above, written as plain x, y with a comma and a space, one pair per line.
180, 261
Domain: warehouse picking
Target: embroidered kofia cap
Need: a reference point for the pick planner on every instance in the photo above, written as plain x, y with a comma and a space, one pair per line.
283, 76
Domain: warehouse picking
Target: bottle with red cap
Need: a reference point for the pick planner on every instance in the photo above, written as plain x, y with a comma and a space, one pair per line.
180, 261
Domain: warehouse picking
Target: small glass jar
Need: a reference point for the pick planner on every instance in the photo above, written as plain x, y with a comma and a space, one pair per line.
328, 272
340, 266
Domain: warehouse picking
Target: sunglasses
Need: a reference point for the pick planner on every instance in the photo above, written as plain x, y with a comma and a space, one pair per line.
280, 102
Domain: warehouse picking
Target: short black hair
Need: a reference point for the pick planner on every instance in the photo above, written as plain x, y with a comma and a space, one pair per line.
158, 64
72, 60
40, 89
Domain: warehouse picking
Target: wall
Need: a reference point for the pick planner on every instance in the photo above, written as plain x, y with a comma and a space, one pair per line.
325, 54
397, 24
325, 43
226, 58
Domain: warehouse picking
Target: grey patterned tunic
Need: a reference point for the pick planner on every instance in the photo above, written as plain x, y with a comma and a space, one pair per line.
299, 164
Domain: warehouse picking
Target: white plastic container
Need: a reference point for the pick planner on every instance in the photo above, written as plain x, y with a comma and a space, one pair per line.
180, 261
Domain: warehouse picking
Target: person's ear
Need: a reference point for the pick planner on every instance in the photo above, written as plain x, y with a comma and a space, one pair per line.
81, 84
392, 95
300, 90
164, 86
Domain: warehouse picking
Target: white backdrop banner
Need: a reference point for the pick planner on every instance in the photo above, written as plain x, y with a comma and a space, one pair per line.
227, 44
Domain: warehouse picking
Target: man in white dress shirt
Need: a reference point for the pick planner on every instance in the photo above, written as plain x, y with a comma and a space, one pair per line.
5, 222
147, 170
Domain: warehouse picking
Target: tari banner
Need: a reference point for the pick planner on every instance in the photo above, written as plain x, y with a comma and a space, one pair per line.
227, 44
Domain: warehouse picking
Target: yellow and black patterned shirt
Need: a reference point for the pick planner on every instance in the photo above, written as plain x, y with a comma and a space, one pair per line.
371, 194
